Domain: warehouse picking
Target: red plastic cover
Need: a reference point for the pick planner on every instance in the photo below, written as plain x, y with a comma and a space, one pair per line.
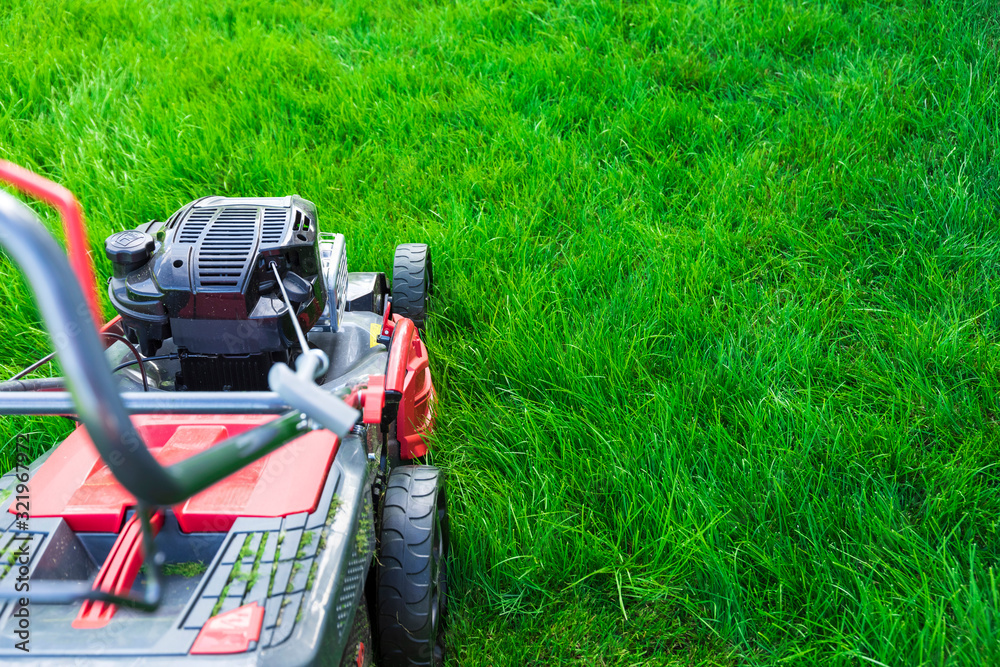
416, 409
374, 399
76, 485
230, 632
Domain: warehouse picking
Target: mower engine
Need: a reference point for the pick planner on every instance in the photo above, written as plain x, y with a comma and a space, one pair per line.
206, 280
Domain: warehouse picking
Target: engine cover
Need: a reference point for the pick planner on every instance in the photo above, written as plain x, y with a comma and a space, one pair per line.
204, 278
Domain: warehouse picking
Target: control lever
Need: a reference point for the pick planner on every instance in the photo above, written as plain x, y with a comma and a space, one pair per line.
299, 388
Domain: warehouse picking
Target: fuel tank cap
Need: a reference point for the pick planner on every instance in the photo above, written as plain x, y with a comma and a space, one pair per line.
129, 249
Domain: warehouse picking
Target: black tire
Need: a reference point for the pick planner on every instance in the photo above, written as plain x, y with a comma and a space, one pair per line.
360, 649
412, 577
412, 282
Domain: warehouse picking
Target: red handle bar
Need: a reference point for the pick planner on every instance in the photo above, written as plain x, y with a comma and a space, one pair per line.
63, 201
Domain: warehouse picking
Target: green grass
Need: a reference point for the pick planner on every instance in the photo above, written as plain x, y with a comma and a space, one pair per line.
717, 332
189, 569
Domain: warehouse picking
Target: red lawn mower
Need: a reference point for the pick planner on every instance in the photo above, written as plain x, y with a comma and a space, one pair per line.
215, 506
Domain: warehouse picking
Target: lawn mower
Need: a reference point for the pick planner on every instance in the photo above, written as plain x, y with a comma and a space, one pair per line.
244, 485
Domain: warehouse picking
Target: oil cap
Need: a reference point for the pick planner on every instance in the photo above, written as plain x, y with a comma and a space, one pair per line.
129, 250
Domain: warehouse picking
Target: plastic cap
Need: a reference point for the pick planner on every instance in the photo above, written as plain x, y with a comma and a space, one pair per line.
129, 247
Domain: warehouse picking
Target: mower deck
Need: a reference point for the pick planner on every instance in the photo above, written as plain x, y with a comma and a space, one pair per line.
283, 563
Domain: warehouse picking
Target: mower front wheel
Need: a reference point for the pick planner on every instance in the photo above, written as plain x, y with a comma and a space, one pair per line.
412, 282
412, 577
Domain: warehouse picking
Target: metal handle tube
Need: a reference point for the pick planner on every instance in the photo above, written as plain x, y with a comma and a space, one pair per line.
151, 403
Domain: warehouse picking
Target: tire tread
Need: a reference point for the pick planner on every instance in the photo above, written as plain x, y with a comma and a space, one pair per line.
411, 278
405, 568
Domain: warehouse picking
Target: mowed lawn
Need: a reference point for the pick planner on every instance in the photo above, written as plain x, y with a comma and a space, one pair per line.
716, 336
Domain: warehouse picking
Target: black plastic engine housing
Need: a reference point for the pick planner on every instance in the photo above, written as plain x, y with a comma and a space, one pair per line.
204, 278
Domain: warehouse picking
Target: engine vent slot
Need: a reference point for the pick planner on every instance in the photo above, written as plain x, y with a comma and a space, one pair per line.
275, 222
226, 247
195, 225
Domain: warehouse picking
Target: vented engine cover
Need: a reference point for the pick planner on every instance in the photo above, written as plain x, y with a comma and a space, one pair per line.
204, 278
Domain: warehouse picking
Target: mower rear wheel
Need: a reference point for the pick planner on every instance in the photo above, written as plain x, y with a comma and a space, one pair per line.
412, 576
360, 650
412, 282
